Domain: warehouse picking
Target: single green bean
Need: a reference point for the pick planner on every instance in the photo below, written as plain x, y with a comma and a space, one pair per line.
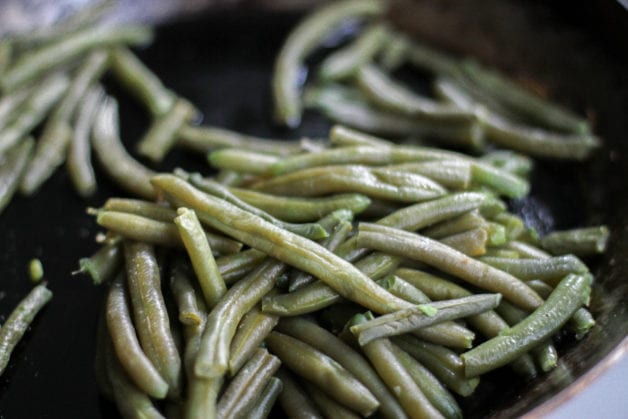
340, 135
141, 81
452, 174
295, 209
185, 296
79, 154
12, 168
35, 63
19, 320
136, 227
117, 163
244, 161
328, 406
223, 320
567, 297
42, 98
306, 37
434, 391
325, 342
103, 264
242, 392
580, 241
134, 361
290, 248
150, 314
154, 211
403, 289
130, 400
448, 260
330, 376
550, 270
200, 252
312, 231
515, 163
499, 180
381, 354
470, 243
252, 330
294, 400
263, 405
162, 133
374, 182
423, 315
348, 60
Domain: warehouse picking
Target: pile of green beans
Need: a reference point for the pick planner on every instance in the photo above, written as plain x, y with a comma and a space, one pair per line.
341, 277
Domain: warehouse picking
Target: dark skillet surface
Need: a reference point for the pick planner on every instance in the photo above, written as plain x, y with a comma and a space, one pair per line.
222, 63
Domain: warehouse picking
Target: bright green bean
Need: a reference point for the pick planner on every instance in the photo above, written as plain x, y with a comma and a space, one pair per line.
12, 168
348, 60
330, 376
580, 241
150, 314
448, 260
200, 252
141, 81
566, 298
306, 37
117, 163
19, 320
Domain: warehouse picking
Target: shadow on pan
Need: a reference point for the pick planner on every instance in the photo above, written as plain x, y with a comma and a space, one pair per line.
222, 62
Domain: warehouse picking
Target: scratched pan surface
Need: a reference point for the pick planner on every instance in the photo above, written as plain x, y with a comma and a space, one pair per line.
222, 62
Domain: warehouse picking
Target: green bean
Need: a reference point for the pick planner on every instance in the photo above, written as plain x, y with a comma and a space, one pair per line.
208, 138
141, 81
223, 320
294, 400
35, 270
452, 174
6, 53
340, 135
403, 289
241, 393
423, 315
266, 400
202, 395
306, 37
546, 356
12, 167
550, 270
311, 230
237, 264
131, 401
581, 322
20, 319
500, 181
434, 391
157, 212
381, 354
290, 248
513, 224
519, 100
330, 407
200, 252
134, 361
79, 154
136, 227
183, 291
497, 234
325, 342
293, 209
541, 287
117, 163
330, 376
373, 182
470, 243
103, 264
244, 161
467, 221
515, 163
566, 298
42, 98
393, 96
161, 135
580, 241
526, 250
445, 364
343, 106
150, 314
35, 63
252, 330
348, 60
448, 260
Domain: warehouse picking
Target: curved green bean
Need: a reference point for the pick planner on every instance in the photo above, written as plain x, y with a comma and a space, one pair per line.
568, 296
332, 378
307, 36
157, 212
243, 161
